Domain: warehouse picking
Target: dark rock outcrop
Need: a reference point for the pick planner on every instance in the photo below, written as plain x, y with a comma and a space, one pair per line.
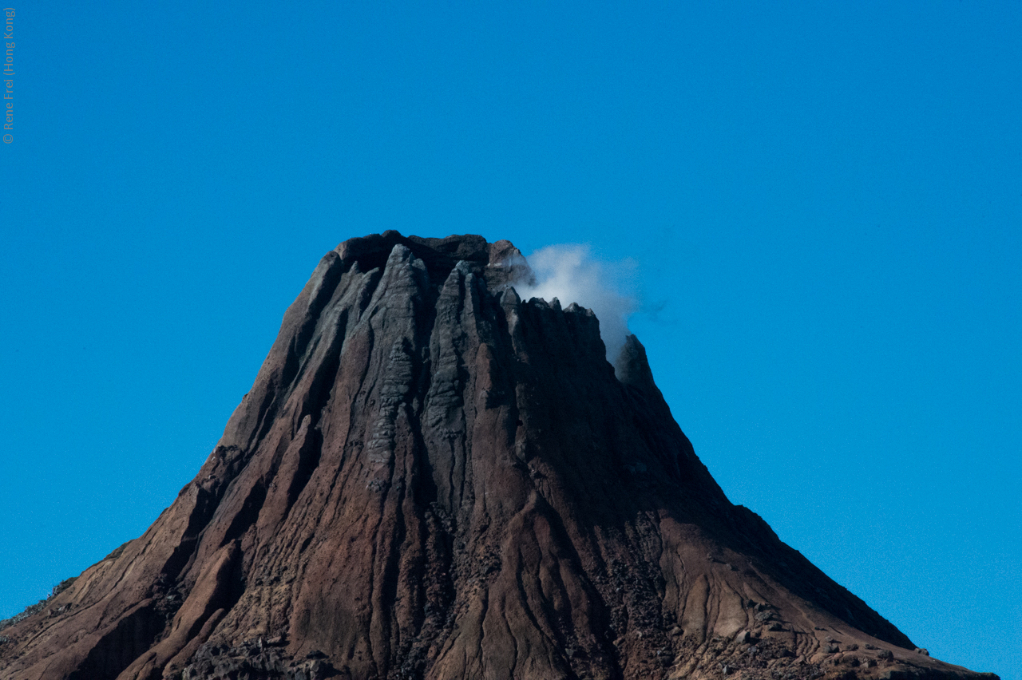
432, 478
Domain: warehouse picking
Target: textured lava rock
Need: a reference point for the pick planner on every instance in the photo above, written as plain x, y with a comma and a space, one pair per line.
432, 478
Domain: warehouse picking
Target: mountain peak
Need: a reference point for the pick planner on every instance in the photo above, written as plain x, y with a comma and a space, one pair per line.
500, 263
432, 478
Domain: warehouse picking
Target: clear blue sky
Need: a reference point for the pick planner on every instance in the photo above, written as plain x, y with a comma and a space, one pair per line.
824, 201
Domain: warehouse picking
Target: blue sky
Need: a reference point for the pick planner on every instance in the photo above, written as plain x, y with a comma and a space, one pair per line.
824, 204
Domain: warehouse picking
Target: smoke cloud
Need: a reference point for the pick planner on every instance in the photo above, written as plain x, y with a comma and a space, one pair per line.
569, 273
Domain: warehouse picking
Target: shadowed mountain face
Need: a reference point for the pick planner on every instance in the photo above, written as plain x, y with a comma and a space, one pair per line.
432, 478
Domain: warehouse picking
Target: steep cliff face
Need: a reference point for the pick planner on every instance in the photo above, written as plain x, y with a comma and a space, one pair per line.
432, 478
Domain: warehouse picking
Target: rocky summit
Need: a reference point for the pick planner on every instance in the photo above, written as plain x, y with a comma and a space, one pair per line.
433, 478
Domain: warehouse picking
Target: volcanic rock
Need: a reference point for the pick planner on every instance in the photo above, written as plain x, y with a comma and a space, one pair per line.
432, 478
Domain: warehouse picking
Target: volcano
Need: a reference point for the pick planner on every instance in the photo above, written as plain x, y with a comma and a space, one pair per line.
433, 478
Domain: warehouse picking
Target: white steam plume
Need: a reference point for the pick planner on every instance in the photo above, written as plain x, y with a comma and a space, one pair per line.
568, 272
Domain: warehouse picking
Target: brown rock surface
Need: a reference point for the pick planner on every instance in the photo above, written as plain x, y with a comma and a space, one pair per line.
431, 478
